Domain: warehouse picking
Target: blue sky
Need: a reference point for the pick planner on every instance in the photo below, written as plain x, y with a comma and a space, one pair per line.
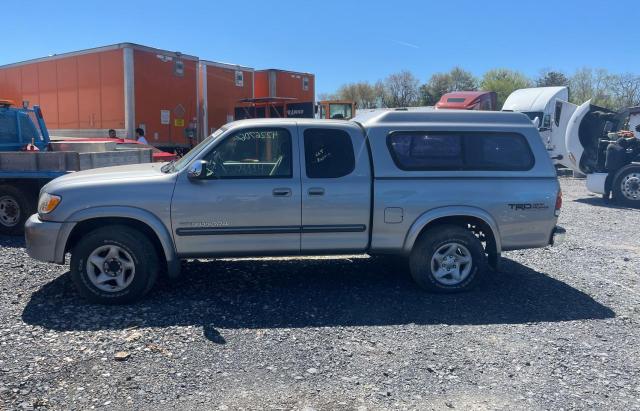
341, 41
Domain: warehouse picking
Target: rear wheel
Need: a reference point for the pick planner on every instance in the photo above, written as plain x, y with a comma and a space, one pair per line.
15, 208
626, 187
447, 259
114, 265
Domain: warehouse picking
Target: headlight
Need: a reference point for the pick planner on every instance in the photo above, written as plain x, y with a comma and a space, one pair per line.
48, 203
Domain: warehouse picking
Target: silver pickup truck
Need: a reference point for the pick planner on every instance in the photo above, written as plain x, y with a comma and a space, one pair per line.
448, 190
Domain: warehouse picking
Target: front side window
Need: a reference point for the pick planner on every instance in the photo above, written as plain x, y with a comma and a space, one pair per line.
460, 151
8, 127
558, 113
323, 111
252, 153
328, 153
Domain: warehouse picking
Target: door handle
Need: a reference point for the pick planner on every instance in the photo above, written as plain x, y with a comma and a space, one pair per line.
316, 191
282, 192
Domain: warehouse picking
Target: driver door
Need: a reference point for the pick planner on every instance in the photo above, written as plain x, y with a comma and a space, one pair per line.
249, 203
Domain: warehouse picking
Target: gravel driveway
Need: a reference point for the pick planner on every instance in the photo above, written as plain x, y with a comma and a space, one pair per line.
557, 328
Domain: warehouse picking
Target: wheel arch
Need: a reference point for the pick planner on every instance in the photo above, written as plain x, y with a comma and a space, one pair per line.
474, 219
89, 219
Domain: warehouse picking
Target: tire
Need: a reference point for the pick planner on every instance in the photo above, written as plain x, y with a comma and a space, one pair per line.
114, 265
626, 187
15, 208
436, 261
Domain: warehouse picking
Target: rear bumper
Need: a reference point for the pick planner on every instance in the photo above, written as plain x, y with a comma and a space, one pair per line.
557, 236
41, 239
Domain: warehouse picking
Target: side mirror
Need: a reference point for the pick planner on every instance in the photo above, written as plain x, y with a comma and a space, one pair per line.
197, 170
536, 122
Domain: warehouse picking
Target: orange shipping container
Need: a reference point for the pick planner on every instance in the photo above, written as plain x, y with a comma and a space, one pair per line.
285, 84
123, 86
222, 86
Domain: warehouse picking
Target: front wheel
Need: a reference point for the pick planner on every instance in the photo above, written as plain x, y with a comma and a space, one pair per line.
114, 265
448, 259
626, 187
15, 208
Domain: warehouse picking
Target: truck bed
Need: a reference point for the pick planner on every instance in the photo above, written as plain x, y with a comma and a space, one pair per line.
54, 164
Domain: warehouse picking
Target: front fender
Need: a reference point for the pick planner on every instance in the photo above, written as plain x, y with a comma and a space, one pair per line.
144, 216
451, 211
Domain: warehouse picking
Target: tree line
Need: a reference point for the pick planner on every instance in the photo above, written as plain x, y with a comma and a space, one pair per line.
404, 89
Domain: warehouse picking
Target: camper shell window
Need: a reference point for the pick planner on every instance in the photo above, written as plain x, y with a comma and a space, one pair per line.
462, 151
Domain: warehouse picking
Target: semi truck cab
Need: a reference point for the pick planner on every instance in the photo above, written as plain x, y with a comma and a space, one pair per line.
469, 100
548, 109
21, 126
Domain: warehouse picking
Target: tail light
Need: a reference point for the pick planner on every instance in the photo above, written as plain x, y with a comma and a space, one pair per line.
558, 203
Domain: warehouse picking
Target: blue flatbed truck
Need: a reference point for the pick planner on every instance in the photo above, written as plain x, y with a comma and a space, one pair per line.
23, 173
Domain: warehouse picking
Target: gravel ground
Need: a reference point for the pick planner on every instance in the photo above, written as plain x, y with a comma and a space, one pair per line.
558, 328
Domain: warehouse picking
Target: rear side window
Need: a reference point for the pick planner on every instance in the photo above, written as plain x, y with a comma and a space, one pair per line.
460, 151
29, 132
328, 153
8, 127
505, 152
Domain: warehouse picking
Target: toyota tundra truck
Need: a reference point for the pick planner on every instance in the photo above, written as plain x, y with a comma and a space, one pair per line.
447, 190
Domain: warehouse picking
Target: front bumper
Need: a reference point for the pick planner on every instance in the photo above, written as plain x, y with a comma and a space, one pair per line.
557, 235
41, 238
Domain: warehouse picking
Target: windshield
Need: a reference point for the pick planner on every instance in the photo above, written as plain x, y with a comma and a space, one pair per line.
533, 114
182, 163
341, 111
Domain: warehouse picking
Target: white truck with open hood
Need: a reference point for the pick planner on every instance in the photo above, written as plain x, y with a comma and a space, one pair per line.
583, 139
610, 162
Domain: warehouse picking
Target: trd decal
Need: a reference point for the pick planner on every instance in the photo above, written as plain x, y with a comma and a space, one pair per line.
528, 206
